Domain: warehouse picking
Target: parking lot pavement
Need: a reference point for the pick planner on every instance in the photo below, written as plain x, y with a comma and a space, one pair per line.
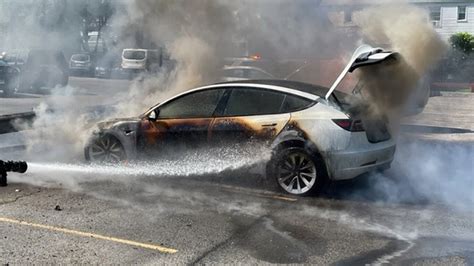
453, 110
191, 220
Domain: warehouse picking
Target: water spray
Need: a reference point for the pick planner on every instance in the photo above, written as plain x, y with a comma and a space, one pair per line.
10, 166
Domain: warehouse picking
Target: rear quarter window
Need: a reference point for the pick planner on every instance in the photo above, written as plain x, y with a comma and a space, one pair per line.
294, 103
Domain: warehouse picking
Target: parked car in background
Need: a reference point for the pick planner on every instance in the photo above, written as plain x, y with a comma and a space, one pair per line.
234, 73
141, 60
8, 77
81, 64
44, 69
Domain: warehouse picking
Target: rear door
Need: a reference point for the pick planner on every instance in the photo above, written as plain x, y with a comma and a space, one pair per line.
249, 114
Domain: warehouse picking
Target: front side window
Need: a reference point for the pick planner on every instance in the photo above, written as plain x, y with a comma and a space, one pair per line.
247, 101
461, 12
199, 104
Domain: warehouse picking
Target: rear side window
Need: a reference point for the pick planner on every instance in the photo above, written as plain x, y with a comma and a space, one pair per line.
199, 104
247, 101
294, 103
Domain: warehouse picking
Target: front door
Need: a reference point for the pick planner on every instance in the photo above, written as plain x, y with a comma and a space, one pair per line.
179, 125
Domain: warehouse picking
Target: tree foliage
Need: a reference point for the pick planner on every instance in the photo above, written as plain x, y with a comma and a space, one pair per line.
463, 42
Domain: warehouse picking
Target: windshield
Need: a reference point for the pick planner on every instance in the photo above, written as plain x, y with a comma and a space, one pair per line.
134, 55
80, 57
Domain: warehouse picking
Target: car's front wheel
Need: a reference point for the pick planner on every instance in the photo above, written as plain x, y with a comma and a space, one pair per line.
297, 171
106, 149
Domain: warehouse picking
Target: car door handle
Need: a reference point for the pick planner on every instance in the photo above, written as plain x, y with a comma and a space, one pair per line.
269, 125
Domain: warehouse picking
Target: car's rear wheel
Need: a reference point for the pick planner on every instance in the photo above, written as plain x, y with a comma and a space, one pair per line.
298, 172
106, 149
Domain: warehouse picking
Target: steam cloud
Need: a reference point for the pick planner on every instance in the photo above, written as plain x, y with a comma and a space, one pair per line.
405, 29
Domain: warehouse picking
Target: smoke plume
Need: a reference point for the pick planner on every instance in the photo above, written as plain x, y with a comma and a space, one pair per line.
405, 29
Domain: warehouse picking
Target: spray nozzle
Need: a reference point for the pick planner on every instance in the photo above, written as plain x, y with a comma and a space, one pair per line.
11, 166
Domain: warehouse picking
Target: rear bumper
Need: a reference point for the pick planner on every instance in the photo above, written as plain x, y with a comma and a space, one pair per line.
82, 68
348, 164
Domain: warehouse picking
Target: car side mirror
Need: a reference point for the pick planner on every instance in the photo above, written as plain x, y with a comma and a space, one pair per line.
153, 115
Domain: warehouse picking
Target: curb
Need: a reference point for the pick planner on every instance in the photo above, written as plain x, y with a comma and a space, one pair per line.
6, 121
419, 128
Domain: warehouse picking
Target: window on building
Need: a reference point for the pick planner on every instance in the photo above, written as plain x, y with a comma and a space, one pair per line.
435, 13
348, 16
435, 16
461, 12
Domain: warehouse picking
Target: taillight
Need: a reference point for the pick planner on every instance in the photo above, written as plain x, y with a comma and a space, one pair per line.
349, 124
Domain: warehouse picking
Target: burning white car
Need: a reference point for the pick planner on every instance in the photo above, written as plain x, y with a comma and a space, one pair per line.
312, 132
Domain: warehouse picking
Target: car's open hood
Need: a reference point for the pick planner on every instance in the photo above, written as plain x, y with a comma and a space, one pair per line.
365, 55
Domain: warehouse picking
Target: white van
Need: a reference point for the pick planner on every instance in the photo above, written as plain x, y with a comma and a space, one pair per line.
138, 60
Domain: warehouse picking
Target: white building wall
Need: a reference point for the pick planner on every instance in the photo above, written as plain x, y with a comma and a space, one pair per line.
449, 23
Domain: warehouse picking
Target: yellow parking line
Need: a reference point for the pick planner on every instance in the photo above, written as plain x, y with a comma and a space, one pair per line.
85, 234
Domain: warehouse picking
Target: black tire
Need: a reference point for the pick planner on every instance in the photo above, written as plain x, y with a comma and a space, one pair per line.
106, 149
297, 171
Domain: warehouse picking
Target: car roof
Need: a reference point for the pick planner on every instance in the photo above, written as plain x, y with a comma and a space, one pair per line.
305, 90
317, 90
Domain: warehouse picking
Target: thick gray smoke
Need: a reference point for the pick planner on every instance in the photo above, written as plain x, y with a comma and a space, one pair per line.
200, 34
405, 29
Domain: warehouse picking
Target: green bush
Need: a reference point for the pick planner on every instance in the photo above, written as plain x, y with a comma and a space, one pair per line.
463, 42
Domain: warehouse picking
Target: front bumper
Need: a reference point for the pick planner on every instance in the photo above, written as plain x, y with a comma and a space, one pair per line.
348, 164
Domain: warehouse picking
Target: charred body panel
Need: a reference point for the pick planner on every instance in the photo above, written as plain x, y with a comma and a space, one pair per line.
167, 137
230, 130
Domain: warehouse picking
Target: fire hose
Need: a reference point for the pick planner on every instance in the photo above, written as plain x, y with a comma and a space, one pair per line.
11, 166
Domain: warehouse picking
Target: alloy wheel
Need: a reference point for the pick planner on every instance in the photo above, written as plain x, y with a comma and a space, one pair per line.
106, 149
296, 173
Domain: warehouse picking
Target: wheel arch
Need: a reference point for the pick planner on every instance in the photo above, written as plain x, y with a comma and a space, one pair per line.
293, 138
102, 135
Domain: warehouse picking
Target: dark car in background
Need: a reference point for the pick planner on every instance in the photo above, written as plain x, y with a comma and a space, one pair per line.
44, 69
8, 78
81, 64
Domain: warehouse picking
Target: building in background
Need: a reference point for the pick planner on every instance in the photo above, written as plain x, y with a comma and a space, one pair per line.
447, 16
